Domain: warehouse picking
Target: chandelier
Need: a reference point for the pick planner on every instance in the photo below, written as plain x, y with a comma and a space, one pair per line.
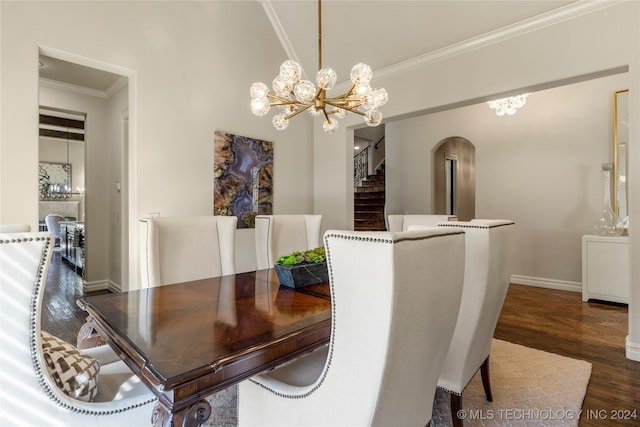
292, 95
508, 105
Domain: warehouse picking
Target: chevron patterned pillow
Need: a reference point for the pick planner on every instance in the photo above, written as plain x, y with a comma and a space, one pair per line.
74, 373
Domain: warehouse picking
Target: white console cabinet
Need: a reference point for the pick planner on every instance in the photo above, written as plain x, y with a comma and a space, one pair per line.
605, 268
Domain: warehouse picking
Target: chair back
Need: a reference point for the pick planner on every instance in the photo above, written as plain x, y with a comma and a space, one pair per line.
28, 395
181, 249
53, 224
395, 300
278, 235
486, 281
15, 228
403, 222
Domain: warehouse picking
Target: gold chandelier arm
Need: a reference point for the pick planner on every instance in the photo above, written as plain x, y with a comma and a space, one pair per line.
279, 104
357, 112
353, 108
295, 113
347, 94
326, 116
350, 109
341, 100
283, 101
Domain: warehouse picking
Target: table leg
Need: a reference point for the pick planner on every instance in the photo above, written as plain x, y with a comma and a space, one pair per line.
193, 416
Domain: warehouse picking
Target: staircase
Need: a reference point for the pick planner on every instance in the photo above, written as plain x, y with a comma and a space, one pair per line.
368, 201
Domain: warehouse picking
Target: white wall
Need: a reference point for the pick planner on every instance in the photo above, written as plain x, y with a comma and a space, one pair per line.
540, 168
542, 56
190, 66
117, 109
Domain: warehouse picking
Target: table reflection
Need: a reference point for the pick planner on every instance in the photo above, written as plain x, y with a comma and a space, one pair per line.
211, 320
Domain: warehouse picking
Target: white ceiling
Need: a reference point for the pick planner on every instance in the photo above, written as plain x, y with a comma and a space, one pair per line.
77, 75
385, 33
381, 33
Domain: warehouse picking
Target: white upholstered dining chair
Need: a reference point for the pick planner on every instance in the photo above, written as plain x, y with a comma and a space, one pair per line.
180, 249
29, 395
395, 299
278, 235
486, 281
403, 222
53, 226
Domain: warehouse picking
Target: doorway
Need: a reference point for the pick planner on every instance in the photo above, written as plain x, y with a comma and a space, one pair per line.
454, 179
451, 183
75, 84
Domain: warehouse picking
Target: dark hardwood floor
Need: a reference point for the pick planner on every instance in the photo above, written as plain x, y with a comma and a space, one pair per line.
549, 320
61, 316
559, 322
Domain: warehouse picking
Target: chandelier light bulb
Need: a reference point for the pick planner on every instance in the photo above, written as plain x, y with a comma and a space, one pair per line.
305, 91
326, 78
290, 71
258, 90
361, 73
330, 126
376, 98
280, 122
373, 118
260, 106
314, 111
281, 87
362, 89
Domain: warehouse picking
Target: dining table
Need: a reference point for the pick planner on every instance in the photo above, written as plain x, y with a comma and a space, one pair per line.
186, 341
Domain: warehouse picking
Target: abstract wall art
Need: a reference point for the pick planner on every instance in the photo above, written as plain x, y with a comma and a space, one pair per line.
243, 177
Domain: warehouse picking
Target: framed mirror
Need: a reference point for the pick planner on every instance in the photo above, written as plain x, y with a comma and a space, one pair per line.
54, 180
620, 161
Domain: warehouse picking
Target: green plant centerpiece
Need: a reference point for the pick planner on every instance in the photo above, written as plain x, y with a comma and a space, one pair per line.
302, 268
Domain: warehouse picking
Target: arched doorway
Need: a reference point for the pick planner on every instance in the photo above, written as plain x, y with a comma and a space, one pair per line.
454, 178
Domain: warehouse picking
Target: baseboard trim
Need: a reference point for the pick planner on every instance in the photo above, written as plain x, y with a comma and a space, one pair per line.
100, 285
541, 282
114, 287
633, 350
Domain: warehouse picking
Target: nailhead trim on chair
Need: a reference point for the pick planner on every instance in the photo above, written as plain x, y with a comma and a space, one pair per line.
451, 391
391, 240
474, 225
35, 330
333, 301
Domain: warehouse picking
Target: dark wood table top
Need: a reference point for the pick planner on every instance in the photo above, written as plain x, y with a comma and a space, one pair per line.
196, 338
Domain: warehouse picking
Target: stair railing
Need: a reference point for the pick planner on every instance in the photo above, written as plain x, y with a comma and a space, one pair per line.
375, 146
360, 166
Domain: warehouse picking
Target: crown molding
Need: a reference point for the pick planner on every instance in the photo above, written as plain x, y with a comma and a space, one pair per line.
75, 88
279, 30
104, 94
116, 86
543, 20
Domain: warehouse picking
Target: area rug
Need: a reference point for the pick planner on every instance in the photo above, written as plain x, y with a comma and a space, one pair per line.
530, 388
